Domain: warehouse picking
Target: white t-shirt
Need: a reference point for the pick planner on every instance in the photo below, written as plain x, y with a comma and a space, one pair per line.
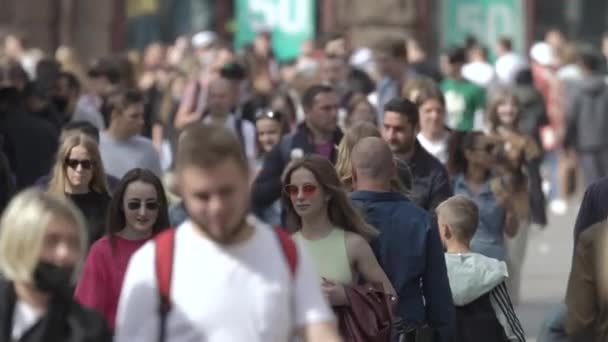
249, 135
507, 67
222, 294
439, 149
480, 73
25, 317
120, 156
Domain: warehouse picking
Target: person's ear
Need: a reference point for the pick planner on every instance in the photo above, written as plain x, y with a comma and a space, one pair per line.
447, 232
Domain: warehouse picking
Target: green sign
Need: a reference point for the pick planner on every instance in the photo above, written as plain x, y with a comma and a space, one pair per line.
291, 22
487, 20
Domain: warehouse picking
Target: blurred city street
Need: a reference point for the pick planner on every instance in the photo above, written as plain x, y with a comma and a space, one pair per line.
546, 269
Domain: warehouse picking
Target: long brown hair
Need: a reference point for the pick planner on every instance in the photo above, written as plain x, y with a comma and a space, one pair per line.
116, 216
98, 181
340, 210
492, 113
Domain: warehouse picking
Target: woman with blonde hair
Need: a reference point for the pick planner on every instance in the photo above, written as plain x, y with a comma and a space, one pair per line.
79, 175
333, 231
43, 241
360, 130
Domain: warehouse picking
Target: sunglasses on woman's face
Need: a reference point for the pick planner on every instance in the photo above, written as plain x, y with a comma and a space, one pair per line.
135, 205
308, 190
85, 163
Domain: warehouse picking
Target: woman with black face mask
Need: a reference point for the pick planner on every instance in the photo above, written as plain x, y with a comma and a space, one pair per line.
42, 243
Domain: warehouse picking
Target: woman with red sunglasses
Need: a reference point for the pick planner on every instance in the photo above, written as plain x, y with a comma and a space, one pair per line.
79, 175
137, 212
326, 223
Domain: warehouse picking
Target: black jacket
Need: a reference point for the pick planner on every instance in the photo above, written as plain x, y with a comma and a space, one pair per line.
65, 321
267, 185
30, 144
431, 184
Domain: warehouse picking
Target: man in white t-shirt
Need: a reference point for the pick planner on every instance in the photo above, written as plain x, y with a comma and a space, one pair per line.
230, 278
220, 100
121, 146
508, 63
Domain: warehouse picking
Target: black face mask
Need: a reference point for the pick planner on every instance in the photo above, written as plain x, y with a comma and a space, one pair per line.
61, 103
53, 279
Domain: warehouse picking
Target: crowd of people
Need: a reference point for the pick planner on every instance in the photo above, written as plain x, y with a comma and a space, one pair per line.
297, 190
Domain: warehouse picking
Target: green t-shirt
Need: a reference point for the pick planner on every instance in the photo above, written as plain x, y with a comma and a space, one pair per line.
462, 100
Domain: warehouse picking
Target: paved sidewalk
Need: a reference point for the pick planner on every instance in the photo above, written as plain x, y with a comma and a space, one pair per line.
546, 270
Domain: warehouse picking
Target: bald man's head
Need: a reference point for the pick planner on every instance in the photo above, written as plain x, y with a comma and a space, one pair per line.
373, 159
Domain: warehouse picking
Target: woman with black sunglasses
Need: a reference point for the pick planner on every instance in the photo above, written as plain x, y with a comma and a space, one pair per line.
472, 164
138, 211
79, 175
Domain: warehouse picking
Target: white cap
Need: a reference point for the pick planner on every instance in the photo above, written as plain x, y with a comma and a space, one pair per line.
361, 57
542, 53
204, 39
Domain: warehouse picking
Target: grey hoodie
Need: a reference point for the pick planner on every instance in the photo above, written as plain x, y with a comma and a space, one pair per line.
587, 116
473, 275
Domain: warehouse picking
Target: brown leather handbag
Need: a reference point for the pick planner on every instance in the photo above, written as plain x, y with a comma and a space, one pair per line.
369, 315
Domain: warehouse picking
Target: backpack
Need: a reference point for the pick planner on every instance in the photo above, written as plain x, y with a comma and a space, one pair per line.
163, 263
477, 321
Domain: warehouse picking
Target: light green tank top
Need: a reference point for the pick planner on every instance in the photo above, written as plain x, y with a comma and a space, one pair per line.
329, 256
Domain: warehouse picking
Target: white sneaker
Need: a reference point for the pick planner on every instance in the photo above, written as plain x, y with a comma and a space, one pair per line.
558, 207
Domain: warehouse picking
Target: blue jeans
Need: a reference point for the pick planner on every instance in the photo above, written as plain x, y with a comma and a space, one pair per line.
553, 329
550, 171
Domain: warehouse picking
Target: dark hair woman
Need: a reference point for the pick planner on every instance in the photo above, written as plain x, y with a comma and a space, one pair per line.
137, 212
473, 156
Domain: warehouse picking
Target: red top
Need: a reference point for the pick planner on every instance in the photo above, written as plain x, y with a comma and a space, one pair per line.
103, 274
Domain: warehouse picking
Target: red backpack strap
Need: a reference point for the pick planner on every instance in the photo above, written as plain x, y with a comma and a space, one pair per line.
289, 249
163, 262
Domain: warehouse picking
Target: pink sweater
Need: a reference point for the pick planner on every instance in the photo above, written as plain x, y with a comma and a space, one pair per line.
103, 274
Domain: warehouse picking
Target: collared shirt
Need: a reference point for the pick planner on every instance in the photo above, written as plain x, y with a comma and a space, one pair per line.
488, 240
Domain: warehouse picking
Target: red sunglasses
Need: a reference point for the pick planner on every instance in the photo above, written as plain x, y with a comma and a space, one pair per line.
308, 190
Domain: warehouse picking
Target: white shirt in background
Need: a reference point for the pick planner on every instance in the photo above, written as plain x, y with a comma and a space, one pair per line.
439, 149
480, 73
508, 65
221, 293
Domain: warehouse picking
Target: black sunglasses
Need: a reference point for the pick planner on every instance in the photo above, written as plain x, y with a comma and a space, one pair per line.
85, 163
135, 205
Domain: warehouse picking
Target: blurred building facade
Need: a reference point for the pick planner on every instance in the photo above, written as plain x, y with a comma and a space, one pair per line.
98, 27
